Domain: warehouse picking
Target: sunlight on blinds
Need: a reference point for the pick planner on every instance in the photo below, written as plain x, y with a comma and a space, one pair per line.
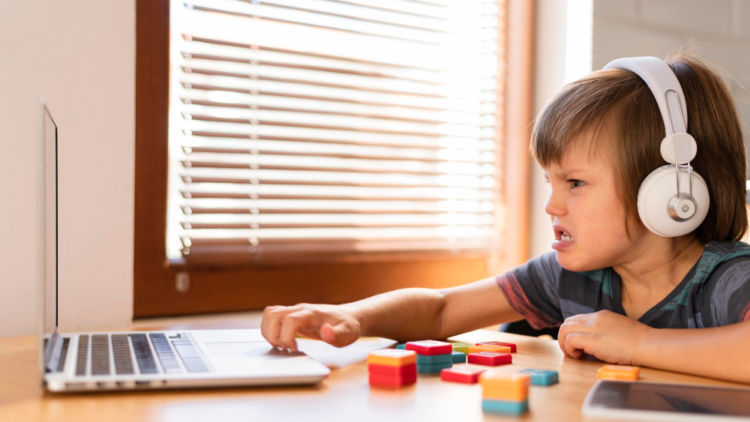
320, 127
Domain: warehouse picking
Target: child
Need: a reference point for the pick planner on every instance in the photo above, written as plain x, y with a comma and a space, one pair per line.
677, 300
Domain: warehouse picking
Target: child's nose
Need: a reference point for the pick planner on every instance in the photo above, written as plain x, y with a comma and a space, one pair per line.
555, 204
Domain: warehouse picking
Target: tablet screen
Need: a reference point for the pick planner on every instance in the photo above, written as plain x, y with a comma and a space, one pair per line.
669, 398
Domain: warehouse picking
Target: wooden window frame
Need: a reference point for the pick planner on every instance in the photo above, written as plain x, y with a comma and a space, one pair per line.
172, 288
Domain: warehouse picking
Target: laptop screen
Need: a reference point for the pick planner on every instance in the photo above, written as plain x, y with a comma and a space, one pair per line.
50, 282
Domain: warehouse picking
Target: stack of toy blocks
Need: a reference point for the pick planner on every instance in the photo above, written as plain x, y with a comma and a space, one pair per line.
500, 343
489, 354
460, 350
504, 392
432, 356
392, 368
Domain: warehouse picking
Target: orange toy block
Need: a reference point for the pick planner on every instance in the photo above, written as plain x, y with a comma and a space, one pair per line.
497, 385
489, 348
501, 343
392, 357
618, 372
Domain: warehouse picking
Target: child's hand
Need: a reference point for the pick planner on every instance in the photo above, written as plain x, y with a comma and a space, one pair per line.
605, 335
330, 323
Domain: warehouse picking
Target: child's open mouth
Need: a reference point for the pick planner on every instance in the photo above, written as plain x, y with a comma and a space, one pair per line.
563, 239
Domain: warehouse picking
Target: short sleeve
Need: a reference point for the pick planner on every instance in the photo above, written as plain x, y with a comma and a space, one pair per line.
532, 290
730, 292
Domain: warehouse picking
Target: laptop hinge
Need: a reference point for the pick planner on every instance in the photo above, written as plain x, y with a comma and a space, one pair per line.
52, 352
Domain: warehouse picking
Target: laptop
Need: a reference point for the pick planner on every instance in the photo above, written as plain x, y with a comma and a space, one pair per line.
75, 362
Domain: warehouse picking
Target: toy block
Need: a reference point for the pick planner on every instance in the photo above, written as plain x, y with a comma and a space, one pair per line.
498, 385
500, 343
396, 371
430, 347
505, 407
461, 347
541, 377
392, 357
458, 357
433, 369
381, 380
490, 358
464, 374
401, 346
618, 372
434, 359
489, 348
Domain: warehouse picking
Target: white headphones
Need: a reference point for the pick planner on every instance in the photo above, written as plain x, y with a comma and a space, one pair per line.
673, 200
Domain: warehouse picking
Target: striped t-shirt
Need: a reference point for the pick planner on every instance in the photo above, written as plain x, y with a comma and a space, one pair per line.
715, 292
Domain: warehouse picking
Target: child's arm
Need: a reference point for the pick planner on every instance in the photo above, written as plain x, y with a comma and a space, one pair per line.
406, 314
719, 352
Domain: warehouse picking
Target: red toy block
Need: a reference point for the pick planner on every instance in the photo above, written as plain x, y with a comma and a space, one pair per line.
490, 358
465, 374
394, 371
381, 380
501, 343
430, 347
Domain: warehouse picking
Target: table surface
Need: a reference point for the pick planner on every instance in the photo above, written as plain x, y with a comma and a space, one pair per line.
344, 395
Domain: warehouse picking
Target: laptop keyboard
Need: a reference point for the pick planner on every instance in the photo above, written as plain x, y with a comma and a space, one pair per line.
166, 357
143, 355
125, 349
100, 354
121, 354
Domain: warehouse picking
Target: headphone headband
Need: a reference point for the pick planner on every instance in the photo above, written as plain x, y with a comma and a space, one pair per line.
664, 86
673, 200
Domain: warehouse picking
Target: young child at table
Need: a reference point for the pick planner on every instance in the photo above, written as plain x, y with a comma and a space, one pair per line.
646, 269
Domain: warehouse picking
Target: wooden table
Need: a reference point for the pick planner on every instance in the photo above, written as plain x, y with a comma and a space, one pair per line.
344, 395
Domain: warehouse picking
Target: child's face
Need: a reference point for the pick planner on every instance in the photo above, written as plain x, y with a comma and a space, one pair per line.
588, 216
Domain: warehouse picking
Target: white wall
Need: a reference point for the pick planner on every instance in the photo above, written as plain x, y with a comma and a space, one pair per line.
717, 30
80, 56
562, 55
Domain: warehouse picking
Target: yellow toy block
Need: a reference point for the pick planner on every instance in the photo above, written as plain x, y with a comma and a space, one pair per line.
618, 372
489, 348
392, 357
461, 347
501, 385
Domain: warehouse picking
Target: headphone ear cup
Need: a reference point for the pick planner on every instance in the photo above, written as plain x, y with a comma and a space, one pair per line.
654, 194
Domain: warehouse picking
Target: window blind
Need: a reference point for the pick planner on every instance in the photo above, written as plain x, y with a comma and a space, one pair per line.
332, 127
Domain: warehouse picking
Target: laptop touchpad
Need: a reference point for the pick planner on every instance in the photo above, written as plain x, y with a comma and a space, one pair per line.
244, 349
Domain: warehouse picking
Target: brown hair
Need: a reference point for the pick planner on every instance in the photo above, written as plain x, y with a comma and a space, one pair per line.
623, 100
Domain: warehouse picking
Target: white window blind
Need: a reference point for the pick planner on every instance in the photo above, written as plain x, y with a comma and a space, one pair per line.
332, 127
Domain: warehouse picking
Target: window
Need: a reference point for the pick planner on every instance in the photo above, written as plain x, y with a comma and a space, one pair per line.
317, 150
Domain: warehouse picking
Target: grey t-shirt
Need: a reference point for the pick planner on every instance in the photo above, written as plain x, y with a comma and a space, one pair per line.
715, 292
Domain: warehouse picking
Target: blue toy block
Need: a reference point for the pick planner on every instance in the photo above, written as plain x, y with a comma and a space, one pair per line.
434, 359
433, 369
458, 357
505, 407
541, 377
401, 346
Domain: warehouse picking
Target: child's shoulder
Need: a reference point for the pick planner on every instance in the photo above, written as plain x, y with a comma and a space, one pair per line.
724, 262
717, 252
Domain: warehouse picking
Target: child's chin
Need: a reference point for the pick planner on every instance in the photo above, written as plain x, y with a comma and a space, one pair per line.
574, 265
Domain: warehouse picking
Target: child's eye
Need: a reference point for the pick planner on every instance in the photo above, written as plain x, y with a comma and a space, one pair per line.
575, 183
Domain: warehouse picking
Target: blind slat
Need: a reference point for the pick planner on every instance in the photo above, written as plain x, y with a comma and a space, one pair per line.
354, 23
218, 85
261, 176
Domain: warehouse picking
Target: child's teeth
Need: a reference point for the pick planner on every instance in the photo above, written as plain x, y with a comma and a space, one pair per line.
565, 237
